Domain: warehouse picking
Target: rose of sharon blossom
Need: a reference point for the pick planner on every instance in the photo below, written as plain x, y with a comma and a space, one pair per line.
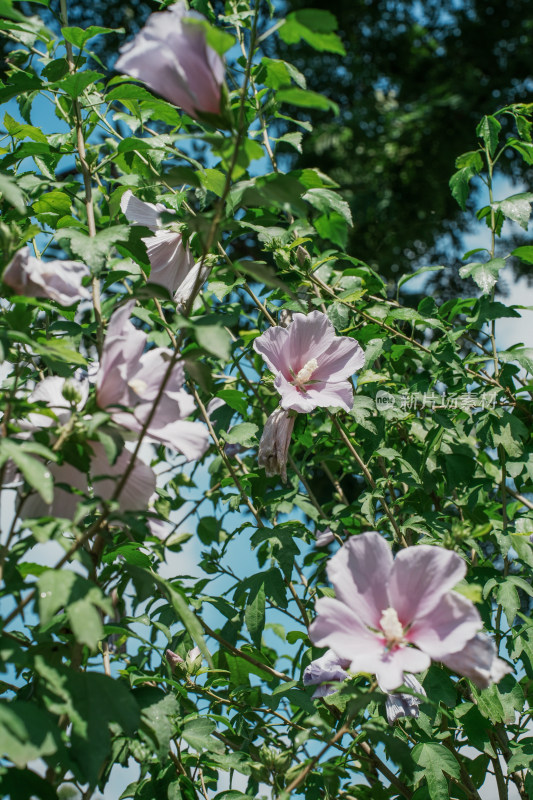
130, 378
392, 616
141, 482
171, 260
325, 537
58, 280
404, 705
479, 661
134, 496
325, 672
311, 364
171, 56
274, 445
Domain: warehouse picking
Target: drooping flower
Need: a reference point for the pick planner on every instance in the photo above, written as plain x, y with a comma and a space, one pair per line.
57, 280
324, 537
390, 616
170, 258
479, 661
274, 444
171, 56
129, 383
325, 672
311, 364
404, 705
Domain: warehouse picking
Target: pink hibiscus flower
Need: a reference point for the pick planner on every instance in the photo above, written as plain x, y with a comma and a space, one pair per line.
171, 260
311, 364
392, 616
130, 378
171, 56
58, 280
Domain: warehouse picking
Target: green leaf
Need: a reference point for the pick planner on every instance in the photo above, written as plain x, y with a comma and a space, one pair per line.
507, 597
198, 733
244, 433
213, 180
158, 713
235, 399
303, 98
12, 193
484, 275
254, 612
325, 200
34, 471
517, 207
436, 763
489, 129
79, 36
92, 702
94, 250
460, 180
27, 732
75, 84
214, 339
524, 253
314, 26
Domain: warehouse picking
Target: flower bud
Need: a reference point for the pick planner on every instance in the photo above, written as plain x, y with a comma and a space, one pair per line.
274, 444
175, 661
304, 259
193, 662
71, 392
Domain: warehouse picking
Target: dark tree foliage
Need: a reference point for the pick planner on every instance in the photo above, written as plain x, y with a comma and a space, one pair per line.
416, 78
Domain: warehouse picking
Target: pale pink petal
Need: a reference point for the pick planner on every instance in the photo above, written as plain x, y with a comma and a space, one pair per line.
189, 438
273, 346
341, 629
170, 259
310, 336
191, 284
420, 577
50, 391
478, 660
324, 537
171, 56
326, 395
137, 490
57, 280
343, 357
123, 347
292, 397
390, 667
359, 572
140, 213
65, 502
446, 628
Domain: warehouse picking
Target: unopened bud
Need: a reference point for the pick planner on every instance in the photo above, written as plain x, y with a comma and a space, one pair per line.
175, 661
193, 662
71, 392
